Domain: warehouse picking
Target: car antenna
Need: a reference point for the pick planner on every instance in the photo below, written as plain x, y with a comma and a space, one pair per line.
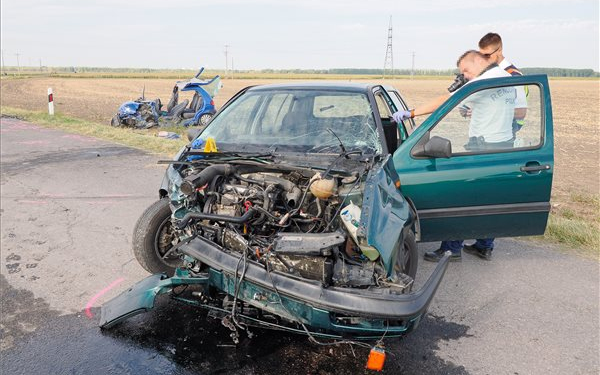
338, 138
144, 92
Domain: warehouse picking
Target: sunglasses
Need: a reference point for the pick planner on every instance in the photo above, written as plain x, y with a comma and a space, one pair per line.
487, 55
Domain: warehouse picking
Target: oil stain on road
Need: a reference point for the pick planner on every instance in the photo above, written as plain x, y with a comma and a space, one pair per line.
178, 339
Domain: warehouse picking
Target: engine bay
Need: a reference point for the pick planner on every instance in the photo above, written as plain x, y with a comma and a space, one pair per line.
300, 222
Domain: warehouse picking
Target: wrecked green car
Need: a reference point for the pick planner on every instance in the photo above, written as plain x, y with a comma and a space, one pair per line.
299, 207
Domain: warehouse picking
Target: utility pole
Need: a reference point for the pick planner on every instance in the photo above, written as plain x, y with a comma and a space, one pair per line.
18, 64
3, 65
40, 65
226, 60
412, 69
232, 68
389, 55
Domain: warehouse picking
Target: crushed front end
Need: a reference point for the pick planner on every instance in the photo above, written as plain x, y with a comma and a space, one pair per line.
274, 243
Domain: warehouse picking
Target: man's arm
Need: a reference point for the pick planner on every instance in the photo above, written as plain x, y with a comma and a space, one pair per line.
431, 106
520, 113
520, 103
422, 110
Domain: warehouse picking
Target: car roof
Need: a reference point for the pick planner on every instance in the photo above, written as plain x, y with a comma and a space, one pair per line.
321, 85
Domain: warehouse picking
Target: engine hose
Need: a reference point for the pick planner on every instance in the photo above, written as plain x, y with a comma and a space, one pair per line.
191, 182
203, 216
266, 203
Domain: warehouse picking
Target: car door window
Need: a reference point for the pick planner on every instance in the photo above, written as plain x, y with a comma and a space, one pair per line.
409, 124
384, 111
499, 119
390, 129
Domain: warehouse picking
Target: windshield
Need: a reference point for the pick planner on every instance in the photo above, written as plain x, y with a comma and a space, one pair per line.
296, 120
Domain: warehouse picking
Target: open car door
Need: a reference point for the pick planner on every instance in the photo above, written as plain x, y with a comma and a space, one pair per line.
473, 190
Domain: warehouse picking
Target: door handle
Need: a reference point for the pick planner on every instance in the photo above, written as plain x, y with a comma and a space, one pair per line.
534, 168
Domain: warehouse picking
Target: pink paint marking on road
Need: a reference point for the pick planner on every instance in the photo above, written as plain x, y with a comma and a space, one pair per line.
88, 306
31, 202
100, 202
53, 195
22, 126
79, 138
118, 196
33, 142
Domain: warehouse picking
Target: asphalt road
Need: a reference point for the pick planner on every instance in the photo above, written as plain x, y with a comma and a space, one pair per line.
68, 206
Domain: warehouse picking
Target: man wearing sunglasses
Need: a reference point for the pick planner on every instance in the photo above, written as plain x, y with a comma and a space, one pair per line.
490, 45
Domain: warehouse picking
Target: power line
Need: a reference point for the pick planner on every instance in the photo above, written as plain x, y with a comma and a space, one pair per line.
389, 55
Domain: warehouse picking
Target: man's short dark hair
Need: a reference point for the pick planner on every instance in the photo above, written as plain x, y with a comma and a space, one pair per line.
470, 54
490, 39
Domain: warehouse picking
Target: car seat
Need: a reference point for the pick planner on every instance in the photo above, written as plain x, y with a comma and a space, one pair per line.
174, 99
195, 105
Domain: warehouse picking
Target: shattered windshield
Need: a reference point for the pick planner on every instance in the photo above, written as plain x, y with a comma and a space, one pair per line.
296, 120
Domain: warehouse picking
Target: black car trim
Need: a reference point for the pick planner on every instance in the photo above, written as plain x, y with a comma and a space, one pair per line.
497, 209
362, 302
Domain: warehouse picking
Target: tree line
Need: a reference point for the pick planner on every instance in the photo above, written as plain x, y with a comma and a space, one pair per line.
551, 72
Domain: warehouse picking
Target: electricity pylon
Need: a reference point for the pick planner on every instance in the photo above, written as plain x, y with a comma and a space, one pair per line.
388, 65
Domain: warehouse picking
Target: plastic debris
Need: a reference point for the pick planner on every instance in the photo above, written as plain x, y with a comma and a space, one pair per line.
168, 135
376, 359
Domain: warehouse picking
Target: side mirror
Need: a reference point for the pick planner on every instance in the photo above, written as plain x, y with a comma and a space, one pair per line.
436, 147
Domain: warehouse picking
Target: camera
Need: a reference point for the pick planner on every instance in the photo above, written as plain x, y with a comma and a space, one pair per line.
459, 82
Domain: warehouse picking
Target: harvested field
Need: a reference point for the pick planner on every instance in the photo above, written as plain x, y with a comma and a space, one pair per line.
576, 109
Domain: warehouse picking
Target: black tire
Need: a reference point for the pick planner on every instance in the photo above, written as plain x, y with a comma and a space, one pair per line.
205, 118
407, 260
115, 121
152, 237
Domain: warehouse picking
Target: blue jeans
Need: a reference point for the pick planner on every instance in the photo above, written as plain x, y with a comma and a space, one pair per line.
456, 246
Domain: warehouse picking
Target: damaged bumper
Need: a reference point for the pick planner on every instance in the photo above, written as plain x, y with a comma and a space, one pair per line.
361, 312
140, 297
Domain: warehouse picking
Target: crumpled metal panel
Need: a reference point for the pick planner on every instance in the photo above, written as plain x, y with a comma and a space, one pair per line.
385, 213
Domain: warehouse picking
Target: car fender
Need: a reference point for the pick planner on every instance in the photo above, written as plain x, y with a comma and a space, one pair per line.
385, 212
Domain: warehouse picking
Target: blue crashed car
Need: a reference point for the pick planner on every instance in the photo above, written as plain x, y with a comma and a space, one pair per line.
145, 114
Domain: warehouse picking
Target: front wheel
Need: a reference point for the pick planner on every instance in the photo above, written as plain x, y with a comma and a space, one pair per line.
154, 237
407, 260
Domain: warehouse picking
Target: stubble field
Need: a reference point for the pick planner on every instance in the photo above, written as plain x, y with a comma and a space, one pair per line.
576, 109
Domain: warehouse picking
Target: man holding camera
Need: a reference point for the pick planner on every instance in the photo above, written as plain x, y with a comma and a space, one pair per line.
490, 127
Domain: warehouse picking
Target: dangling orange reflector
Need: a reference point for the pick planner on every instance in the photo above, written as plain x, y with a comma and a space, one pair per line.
376, 359
398, 184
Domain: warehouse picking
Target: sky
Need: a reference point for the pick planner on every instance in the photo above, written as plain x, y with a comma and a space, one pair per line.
302, 34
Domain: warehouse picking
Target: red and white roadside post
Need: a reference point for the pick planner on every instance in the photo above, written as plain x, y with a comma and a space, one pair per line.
50, 102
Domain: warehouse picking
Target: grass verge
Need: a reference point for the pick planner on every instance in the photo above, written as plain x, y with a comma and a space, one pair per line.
141, 139
574, 220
